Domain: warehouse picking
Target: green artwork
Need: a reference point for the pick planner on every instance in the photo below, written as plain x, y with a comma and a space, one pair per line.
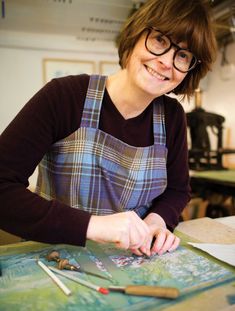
25, 286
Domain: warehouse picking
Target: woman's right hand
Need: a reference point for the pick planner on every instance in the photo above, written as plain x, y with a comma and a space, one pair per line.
126, 229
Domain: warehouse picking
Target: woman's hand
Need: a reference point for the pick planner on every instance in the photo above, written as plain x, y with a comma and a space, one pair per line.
160, 239
127, 230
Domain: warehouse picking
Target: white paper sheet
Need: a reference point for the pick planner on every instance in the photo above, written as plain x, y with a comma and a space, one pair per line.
224, 252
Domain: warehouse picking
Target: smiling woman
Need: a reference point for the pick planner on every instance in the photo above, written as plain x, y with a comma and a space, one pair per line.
192, 26
112, 150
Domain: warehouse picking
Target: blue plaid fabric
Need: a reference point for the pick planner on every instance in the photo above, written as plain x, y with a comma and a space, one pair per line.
96, 172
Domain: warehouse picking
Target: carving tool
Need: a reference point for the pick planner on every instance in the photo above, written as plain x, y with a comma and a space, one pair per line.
57, 281
147, 290
99, 289
64, 264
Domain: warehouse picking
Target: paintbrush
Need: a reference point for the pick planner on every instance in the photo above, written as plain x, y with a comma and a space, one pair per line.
57, 281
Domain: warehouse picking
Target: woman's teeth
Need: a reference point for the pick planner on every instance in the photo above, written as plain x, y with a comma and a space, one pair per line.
155, 74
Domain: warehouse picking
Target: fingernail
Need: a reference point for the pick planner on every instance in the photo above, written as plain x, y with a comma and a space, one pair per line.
148, 253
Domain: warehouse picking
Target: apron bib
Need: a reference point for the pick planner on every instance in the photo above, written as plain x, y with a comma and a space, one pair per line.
96, 172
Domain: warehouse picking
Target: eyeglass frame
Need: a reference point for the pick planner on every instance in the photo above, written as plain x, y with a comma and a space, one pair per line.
178, 48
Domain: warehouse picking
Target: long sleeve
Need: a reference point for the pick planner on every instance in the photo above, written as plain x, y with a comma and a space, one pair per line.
39, 124
170, 204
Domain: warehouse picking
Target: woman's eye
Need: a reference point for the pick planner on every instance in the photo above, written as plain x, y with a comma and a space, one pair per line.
184, 57
161, 40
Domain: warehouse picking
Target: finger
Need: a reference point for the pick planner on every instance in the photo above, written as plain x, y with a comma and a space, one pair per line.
136, 252
123, 241
139, 232
137, 238
145, 248
170, 238
132, 233
140, 224
174, 245
160, 239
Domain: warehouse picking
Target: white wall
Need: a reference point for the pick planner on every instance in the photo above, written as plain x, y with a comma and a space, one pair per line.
220, 94
21, 70
21, 75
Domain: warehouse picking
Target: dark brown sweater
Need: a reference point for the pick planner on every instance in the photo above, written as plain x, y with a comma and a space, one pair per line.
54, 113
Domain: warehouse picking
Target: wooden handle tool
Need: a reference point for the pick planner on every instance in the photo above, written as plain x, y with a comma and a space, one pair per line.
147, 290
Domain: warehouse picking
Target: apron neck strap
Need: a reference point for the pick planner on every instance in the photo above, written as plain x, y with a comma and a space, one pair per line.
93, 101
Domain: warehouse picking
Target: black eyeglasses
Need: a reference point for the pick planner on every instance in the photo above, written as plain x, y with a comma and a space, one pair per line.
158, 44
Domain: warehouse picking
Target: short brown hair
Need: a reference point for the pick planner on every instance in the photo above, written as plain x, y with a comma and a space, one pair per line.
183, 20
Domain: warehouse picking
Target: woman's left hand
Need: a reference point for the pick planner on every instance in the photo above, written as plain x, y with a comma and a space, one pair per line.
160, 240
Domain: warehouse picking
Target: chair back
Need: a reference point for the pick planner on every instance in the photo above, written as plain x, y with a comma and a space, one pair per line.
205, 128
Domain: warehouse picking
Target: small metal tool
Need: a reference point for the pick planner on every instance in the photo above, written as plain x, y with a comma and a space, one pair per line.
63, 263
147, 290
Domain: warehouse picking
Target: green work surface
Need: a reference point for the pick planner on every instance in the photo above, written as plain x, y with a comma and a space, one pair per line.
221, 175
25, 286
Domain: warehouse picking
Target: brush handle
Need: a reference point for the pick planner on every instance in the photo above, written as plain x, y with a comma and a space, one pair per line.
57, 281
153, 291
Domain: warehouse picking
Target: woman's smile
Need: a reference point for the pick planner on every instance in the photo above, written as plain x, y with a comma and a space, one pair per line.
156, 74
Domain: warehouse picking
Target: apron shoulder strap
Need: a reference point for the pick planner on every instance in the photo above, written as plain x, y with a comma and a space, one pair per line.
93, 101
159, 122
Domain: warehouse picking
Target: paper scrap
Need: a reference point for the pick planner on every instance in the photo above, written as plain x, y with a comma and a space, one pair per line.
224, 252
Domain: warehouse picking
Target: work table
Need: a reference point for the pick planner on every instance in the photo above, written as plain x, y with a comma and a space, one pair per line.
40, 290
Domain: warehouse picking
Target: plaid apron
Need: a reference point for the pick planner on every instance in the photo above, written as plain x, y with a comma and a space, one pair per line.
96, 172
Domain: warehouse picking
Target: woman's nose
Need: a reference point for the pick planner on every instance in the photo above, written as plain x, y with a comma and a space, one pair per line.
167, 59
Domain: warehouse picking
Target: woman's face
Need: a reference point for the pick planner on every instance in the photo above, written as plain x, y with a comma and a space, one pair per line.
154, 75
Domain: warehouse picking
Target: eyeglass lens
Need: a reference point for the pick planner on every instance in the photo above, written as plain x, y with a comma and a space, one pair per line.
159, 44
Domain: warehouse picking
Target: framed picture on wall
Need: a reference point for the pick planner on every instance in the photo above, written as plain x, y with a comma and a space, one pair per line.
108, 68
56, 68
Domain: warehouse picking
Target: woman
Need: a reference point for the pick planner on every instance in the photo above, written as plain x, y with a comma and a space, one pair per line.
112, 148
